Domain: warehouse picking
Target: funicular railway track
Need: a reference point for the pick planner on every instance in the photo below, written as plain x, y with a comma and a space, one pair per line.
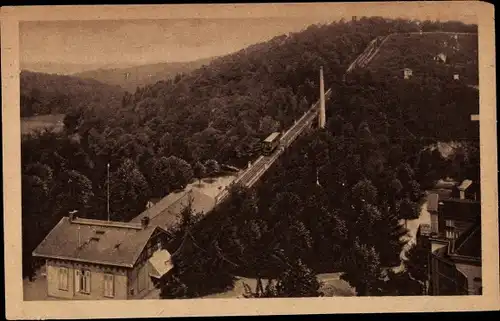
251, 175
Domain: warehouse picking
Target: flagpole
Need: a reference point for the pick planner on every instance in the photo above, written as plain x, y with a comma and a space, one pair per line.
107, 197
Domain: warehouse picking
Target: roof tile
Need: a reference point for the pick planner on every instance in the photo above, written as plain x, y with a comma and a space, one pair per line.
102, 242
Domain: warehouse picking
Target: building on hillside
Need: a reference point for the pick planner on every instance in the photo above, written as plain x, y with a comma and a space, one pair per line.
456, 268
408, 73
441, 57
455, 216
444, 189
453, 240
454, 212
93, 259
468, 190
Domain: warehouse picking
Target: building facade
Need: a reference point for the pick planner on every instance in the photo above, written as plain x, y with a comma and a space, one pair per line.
453, 240
99, 260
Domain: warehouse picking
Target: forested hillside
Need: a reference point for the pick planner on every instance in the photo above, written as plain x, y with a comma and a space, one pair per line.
132, 77
155, 136
43, 94
419, 52
336, 198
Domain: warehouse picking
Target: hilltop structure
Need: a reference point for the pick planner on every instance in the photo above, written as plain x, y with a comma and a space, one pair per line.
441, 57
407, 72
454, 241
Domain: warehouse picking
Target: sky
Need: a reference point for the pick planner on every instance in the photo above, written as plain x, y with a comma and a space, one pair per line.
146, 41
129, 42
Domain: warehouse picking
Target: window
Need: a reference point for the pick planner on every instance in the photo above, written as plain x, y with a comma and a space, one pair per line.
451, 234
109, 285
82, 281
63, 278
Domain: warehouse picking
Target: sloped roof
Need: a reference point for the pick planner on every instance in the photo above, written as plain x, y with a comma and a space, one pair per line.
460, 209
161, 263
95, 241
469, 243
445, 184
443, 193
271, 137
166, 212
171, 201
464, 185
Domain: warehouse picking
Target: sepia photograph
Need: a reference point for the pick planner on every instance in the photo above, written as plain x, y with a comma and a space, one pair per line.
333, 154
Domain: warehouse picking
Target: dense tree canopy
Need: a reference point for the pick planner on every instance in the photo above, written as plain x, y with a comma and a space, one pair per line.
332, 191
52, 94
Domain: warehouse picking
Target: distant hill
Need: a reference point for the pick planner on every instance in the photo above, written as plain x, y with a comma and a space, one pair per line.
44, 94
139, 76
223, 109
421, 53
64, 68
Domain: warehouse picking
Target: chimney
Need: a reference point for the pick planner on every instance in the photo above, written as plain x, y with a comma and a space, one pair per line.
463, 187
145, 221
72, 215
321, 114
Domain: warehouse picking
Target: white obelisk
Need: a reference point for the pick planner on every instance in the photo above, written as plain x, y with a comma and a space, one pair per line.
321, 114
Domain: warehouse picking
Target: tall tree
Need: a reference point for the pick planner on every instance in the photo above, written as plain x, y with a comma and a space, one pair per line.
298, 281
72, 191
199, 171
362, 268
212, 167
175, 171
129, 191
407, 210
